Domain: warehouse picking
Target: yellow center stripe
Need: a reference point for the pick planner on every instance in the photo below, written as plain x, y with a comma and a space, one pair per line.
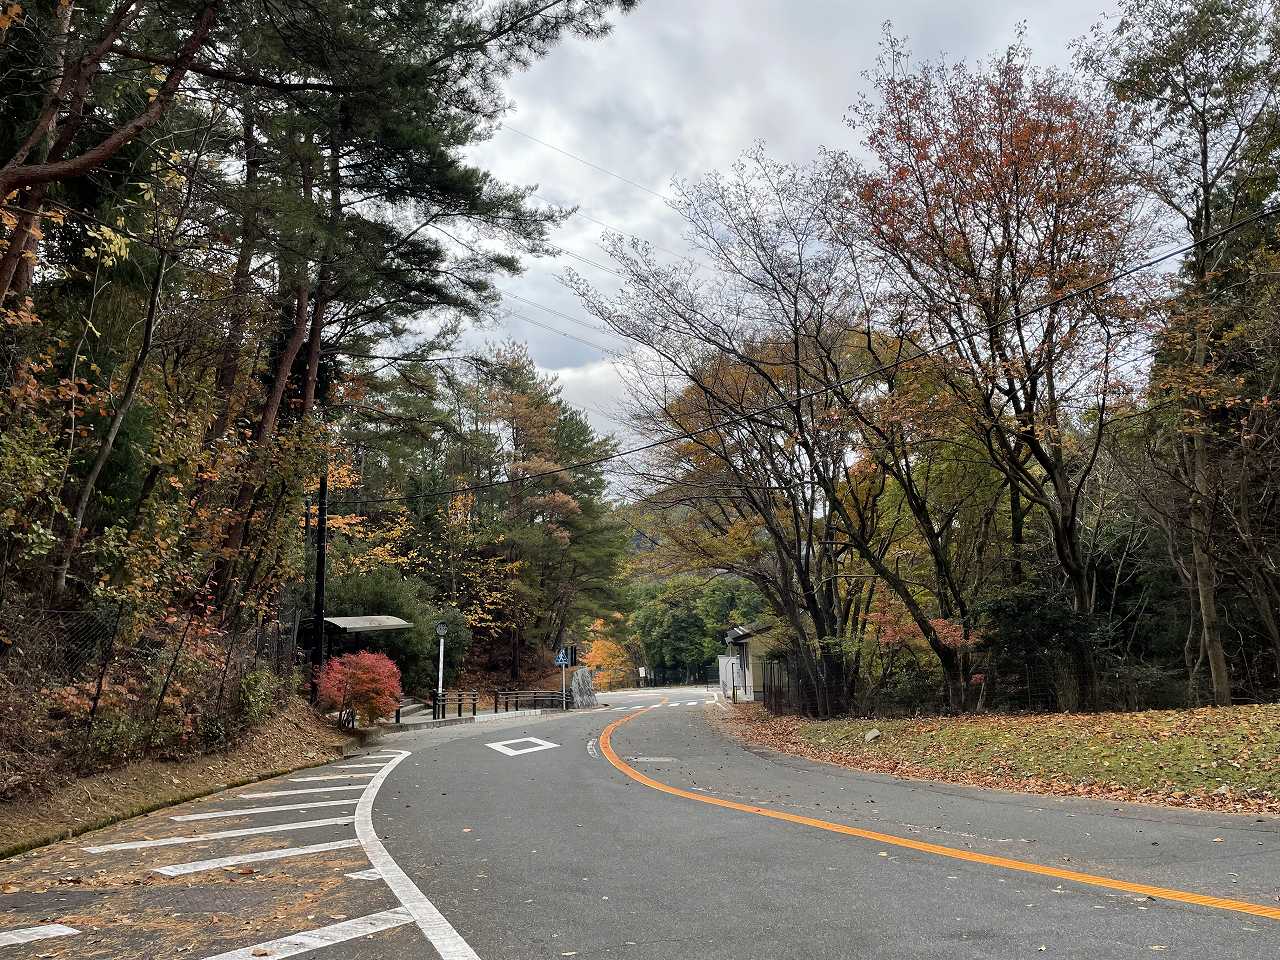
1004, 863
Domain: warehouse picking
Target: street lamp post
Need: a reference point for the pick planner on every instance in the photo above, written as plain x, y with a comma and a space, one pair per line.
442, 630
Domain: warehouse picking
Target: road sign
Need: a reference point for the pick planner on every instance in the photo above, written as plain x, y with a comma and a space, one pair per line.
562, 658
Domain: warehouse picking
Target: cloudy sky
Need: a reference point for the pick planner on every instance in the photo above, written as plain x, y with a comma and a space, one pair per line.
682, 87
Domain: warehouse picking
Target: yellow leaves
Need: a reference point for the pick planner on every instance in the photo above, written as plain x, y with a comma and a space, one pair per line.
11, 14
112, 245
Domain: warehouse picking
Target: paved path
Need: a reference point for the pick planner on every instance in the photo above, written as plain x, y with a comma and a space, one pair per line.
532, 838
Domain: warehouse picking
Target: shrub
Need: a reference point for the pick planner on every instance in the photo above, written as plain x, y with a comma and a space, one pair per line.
367, 684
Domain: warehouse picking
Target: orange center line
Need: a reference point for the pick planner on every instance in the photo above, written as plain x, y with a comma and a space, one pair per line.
1004, 863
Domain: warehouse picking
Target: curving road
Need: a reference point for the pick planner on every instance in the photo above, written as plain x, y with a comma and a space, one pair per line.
640, 831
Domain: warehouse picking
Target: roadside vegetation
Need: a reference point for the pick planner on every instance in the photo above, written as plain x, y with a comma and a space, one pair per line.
983, 403
239, 243
1223, 759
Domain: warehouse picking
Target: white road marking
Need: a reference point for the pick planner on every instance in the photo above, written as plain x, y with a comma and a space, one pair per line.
252, 811
369, 874
651, 759
675, 703
322, 936
623, 708
505, 746
591, 749
199, 866
220, 835
640, 706
336, 776
712, 700
299, 791
359, 766
447, 941
691, 703
45, 931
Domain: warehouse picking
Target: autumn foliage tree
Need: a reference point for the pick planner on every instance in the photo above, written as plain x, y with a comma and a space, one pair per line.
365, 685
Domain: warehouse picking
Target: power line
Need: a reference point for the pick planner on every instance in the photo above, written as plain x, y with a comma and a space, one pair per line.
564, 333
593, 166
618, 230
848, 381
561, 314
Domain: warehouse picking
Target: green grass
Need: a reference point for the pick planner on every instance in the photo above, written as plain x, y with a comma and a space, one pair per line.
1194, 752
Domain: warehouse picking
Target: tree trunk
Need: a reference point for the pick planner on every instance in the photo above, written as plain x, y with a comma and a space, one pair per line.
108, 442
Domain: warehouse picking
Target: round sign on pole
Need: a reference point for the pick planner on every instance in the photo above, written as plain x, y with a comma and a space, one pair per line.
442, 628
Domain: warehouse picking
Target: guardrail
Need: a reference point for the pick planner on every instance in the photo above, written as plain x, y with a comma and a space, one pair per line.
506, 700
441, 704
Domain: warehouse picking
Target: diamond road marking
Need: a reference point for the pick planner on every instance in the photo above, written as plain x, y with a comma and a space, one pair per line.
508, 748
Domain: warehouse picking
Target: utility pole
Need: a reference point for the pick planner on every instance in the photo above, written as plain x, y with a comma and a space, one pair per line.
317, 609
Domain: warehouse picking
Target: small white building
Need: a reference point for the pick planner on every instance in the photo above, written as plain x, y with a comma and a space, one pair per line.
741, 674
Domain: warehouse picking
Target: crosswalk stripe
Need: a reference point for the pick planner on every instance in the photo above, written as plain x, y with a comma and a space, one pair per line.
310, 940
45, 931
336, 776
199, 866
299, 791
219, 835
252, 811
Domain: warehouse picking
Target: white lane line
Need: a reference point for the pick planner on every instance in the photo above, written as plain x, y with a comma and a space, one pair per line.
219, 835
336, 776
298, 792
675, 703
622, 708
447, 941
691, 703
199, 866
252, 811
359, 766
708, 701
310, 940
639, 707
45, 931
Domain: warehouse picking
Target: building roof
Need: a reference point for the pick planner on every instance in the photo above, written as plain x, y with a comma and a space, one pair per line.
745, 633
373, 624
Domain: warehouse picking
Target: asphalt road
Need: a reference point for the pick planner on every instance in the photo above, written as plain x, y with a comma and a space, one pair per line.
543, 847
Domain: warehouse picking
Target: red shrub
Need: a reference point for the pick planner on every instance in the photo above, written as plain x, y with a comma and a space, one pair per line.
367, 683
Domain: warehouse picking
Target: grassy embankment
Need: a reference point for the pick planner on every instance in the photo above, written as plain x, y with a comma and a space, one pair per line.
1227, 759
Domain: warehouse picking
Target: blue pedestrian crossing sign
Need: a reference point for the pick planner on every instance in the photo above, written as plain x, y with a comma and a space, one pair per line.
562, 658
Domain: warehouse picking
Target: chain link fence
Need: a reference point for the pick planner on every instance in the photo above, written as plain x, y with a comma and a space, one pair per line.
83, 690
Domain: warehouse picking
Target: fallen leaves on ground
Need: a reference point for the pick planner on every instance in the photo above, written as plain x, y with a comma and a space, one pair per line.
1225, 759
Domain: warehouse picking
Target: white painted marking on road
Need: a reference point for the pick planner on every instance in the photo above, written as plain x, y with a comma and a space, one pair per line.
220, 835
45, 931
674, 703
691, 703
336, 776
623, 708
300, 791
640, 706
447, 941
322, 936
369, 874
591, 749
253, 811
359, 766
505, 746
199, 866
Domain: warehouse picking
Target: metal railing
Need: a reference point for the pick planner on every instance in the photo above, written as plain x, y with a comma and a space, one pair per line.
461, 700
507, 700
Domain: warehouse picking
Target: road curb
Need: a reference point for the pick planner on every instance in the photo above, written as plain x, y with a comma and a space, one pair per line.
392, 728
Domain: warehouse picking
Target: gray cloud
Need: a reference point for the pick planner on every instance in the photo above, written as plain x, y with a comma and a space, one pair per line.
682, 87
